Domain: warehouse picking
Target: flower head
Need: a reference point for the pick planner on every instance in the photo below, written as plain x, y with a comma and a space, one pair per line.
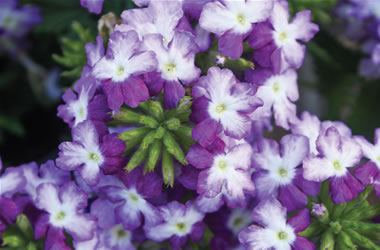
273, 231
336, 155
222, 103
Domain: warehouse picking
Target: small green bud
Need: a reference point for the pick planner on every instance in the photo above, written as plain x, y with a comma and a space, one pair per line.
148, 121
127, 116
184, 104
153, 108
173, 148
173, 124
148, 140
15, 241
137, 158
338, 211
336, 227
344, 241
134, 134
154, 154
327, 240
160, 132
311, 230
24, 225
31, 246
361, 240
167, 168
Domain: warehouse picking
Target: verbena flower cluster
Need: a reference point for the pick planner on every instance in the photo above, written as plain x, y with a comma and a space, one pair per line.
167, 152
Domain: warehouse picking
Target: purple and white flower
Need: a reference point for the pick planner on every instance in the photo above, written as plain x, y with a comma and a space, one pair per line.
278, 93
273, 231
232, 21
118, 70
369, 173
225, 172
132, 199
84, 105
87, 154
280, 38
277, 173
179, 223
336, 154
161, 17
222, 104
175, 66
63, 207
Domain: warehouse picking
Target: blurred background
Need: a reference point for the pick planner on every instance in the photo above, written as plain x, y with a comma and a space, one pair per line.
41, 54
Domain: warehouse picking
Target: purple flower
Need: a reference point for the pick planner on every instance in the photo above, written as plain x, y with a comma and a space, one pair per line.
179, 222
118, 69
110, 234
310, 126
93, 6
336, 154
277, 173
11, 181
225, 172
63, 206
47, 173
278, 93
88, 155
132, 198
232, 21
161, 17
16, 21
94, 52
369, 173
175, 66
273, 231
222, 103
280, 38
84, 105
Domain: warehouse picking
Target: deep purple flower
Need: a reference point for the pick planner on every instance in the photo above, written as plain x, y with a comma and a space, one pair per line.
88, 154
336, 154
125, 60
273, 231
93, 6
62, 206
179, 223
277, 173
175, 66
369, 173
280, 38
232, 21
222, 104
225, 172
132, 201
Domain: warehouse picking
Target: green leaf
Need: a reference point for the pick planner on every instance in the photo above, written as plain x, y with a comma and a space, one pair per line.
173, 148
154, 155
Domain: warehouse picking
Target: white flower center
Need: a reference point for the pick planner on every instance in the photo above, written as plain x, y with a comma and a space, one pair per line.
182, 227
283, 36
337, 166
